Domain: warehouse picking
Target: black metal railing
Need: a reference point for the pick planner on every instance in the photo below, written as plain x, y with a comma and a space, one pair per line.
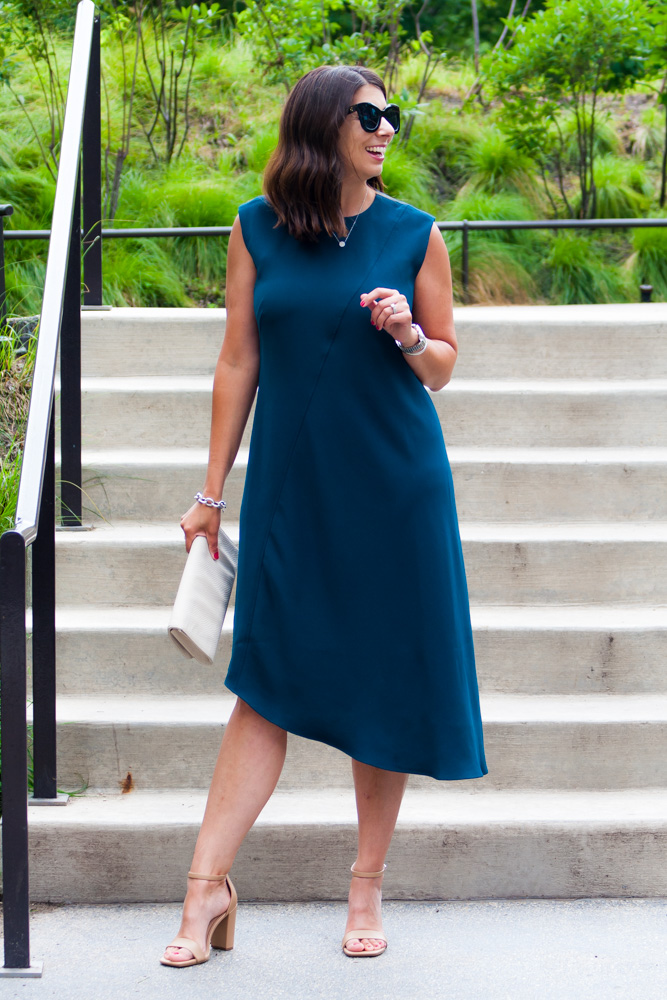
93, 272
59, 323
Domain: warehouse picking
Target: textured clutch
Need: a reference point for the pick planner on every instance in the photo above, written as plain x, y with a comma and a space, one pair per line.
203, 597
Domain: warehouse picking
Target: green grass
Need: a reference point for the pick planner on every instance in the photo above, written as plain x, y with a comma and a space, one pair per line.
15, 384
576, 271
648, 261
456, 165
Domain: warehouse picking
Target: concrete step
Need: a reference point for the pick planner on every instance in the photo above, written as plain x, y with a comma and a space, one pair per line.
492, 484
162, 411
538, 742
525, 650
455, 845
605, 341
601, 563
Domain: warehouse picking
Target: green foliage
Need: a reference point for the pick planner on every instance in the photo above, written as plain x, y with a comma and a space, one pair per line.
577, 271
285, 37
27, 29
648, 262
407, 178
497, 167
169, 37
289, 39
647, 136
16, 367
563, 60
458, 163
622, 188
501, 262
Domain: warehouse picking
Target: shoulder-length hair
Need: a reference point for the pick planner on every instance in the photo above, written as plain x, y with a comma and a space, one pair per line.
303, 178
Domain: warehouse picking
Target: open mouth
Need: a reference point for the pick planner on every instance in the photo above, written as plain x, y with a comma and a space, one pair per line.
377, 152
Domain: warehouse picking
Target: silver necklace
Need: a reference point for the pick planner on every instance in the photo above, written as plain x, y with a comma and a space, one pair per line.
341, 243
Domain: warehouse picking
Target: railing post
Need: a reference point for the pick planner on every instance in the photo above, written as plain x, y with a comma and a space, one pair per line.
92, 179
70, 376
464, 263
44, 633
4, 210
15, 890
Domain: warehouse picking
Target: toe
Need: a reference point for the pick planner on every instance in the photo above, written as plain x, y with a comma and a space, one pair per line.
177, 954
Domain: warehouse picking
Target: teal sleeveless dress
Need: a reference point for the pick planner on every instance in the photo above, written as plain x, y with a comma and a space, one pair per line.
352, 622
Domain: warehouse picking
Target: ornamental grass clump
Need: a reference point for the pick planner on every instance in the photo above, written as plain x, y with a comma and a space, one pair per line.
622, 188
577, 271
648, 262
501, 262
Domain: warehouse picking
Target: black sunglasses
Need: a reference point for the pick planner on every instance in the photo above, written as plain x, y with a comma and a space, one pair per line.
370, 116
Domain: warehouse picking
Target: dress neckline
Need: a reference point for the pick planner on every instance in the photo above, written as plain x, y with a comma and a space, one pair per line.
346, 217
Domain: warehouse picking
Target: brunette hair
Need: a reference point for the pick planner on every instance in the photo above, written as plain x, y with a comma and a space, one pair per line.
303, 178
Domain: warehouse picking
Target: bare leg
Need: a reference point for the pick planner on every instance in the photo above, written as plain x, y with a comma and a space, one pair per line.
379, 794
248, 767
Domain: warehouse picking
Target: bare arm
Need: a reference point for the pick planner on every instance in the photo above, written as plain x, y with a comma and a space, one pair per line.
234, 387
432, 309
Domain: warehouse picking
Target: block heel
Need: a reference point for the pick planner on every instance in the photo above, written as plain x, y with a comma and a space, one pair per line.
223, 935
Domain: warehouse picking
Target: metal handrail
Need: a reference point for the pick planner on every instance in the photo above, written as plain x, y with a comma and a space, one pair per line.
41, 396
35, 523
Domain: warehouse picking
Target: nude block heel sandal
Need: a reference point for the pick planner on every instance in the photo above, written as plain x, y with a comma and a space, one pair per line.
365, 932
220, 933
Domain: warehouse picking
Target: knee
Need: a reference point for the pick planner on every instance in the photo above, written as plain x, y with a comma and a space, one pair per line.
250, 716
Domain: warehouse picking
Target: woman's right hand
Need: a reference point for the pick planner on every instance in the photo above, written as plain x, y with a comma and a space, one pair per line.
202, 520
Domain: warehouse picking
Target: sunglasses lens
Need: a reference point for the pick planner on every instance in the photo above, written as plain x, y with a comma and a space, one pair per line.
370, 115
393, 116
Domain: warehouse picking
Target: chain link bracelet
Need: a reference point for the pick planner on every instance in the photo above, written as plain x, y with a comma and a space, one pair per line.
210, 502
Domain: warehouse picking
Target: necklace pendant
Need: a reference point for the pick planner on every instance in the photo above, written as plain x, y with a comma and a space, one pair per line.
341, 243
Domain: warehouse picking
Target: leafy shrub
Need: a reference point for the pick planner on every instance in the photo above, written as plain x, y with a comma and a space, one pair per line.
141, 273
622, 189
501, 262
648, 262
576, 271
498, 168
408, 178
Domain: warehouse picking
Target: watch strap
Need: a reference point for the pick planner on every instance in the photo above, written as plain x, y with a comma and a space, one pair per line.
419, 346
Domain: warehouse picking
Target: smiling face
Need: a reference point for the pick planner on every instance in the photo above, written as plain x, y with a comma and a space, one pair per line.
363, 152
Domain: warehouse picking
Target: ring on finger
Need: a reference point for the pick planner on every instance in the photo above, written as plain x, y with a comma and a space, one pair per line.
394, 308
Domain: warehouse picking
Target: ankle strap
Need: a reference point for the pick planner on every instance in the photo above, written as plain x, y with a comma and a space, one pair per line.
368, 874
208, 878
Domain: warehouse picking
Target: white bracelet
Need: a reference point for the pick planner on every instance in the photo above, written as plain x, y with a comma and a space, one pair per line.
209, 501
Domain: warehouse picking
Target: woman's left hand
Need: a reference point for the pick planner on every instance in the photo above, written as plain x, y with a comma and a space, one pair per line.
390, 312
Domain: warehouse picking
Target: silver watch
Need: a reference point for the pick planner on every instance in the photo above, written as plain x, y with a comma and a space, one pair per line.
419, 346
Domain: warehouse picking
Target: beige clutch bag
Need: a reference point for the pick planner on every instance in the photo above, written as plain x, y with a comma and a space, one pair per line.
203, 598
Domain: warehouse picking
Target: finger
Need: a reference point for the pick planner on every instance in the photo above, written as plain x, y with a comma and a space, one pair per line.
368, 297
212, 538
190, 537
384, 315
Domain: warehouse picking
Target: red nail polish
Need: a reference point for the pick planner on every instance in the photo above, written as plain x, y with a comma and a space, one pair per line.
216, 555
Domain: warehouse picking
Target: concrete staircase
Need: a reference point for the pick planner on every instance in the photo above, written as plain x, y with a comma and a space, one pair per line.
556, 426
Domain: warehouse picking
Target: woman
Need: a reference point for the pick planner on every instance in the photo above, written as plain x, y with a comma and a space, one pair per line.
352, 623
